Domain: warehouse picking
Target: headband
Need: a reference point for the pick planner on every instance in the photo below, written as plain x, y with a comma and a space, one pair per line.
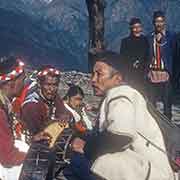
14, 73
47, 71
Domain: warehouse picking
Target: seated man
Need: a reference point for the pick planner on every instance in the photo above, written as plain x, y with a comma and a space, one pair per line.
79, 167
130, 143
40, 109
73, 101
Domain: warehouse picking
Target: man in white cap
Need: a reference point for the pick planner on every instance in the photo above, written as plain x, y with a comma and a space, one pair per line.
129, 143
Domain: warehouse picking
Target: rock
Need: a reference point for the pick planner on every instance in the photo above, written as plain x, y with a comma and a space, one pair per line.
56, 31
82, 80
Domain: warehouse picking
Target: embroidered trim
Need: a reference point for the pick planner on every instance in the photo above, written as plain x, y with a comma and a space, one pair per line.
48, 70
14, 73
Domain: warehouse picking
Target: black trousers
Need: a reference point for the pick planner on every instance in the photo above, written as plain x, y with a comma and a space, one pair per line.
163, 92
79, 168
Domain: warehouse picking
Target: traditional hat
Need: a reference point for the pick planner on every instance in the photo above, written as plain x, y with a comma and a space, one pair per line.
134, 20
157, 14
113, 59
47, 70
10, 68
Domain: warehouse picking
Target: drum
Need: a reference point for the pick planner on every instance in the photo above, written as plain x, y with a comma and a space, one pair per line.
45, 160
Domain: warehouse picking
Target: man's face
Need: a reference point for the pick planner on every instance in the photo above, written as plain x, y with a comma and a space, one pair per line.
49, 87
159, 24
136, 29
19, 84
76, 101
13, 88
102, 78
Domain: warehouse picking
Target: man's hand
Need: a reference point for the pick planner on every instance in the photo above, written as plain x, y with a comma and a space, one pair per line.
159, 37
158, 76
64, 119
42, 136
77, 145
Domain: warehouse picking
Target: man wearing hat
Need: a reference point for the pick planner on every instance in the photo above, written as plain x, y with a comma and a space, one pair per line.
43, 107
135, 48
11, 83
160, 66
122, 148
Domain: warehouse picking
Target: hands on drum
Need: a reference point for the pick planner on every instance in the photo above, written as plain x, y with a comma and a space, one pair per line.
42, 136
53, 130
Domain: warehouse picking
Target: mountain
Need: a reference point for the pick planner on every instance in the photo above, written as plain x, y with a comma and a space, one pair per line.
56, 31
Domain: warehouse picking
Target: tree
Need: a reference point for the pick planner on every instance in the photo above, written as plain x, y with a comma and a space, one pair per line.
96, 27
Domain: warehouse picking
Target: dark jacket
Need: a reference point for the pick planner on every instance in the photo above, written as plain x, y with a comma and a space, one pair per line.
36, 113
176, 63
167, 49
135, 51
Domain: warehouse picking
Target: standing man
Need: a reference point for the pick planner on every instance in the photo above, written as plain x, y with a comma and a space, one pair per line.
162, 47
11, 84
123, 135
135, 49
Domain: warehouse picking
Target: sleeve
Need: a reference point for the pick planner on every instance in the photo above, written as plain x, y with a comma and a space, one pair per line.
61, 111
176, 61
119, 133
32, 116
123, 47
150, 47
121, 117
147, 56
9, 154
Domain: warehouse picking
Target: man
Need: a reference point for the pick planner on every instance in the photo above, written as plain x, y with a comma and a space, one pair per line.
41, 108
11, 83
73, 101
79, 167
162, 47
123, 147
135, 48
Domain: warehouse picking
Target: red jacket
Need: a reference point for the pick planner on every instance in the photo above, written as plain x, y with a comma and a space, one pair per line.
9, 154
36, 114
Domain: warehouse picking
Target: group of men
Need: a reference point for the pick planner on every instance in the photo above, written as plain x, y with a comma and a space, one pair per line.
152, 60
37, 105
118, 147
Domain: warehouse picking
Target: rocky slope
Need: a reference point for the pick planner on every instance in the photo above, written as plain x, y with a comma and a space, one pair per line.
56, 31
83, 80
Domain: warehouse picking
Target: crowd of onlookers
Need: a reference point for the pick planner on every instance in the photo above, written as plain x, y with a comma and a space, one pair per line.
153, 60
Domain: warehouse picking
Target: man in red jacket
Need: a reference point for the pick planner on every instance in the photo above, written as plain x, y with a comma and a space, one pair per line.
41, 108
11, 83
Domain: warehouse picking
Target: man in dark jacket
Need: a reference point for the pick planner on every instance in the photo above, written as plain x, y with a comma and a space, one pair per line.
161, 57
134, 48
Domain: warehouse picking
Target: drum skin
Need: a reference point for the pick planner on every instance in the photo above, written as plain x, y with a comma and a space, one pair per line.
43, 161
